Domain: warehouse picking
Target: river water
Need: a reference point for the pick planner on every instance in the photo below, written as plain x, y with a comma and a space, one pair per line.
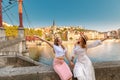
108, 51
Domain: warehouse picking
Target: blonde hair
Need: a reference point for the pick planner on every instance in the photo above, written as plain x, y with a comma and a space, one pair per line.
56, 40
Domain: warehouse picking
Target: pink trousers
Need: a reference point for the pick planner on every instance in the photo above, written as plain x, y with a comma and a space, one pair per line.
62, 69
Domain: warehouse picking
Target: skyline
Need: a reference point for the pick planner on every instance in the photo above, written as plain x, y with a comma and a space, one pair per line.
100, 15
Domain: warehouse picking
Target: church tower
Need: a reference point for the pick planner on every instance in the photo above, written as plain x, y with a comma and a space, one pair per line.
53, 27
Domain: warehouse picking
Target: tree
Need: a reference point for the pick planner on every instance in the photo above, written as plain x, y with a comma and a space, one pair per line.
32, 32
11, 31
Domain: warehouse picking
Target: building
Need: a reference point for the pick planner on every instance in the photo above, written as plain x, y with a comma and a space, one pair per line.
72, 36
101, 35
91, 34
118, 33
53, 28
112, 34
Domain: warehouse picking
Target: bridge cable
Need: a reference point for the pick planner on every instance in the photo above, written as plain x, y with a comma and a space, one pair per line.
27, 18
8, 7
8, 15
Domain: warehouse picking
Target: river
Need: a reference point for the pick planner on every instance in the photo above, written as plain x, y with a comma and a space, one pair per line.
108, 51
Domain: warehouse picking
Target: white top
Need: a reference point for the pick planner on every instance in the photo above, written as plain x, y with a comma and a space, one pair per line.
78, 50
59, 51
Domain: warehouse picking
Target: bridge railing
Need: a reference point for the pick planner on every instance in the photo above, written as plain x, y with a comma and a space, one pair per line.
5, 38
9, 53
12, 46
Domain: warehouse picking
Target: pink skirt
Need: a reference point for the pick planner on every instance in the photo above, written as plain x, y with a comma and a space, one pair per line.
62, 69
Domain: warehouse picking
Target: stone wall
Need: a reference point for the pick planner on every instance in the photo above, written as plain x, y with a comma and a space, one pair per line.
107, 70
13, 47
103, 71
18, 61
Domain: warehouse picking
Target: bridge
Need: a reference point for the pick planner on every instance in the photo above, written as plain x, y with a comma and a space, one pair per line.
12, 46
15, 45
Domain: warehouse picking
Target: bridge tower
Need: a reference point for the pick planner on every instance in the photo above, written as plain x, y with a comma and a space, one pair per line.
21, 28
2, 30
22, 45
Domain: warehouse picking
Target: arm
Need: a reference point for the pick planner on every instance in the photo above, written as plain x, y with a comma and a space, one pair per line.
45, 41
73, 52
66, 55
71, 62
72, 58
96, 43
48, 43
104, 39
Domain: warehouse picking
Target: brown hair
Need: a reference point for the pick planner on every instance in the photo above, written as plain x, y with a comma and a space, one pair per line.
56, 42
83, 44
84, 41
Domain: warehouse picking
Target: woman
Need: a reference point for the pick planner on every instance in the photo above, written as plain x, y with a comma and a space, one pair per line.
59, 65
83, 68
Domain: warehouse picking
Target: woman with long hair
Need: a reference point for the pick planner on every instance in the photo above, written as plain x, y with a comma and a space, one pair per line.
83, 68
59, 65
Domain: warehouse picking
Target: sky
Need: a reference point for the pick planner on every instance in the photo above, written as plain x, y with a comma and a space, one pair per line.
100, 15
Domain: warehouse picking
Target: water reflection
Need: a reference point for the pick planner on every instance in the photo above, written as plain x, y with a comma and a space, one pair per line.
108, 51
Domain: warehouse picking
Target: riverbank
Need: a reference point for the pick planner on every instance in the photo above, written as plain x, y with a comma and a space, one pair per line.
39, 43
